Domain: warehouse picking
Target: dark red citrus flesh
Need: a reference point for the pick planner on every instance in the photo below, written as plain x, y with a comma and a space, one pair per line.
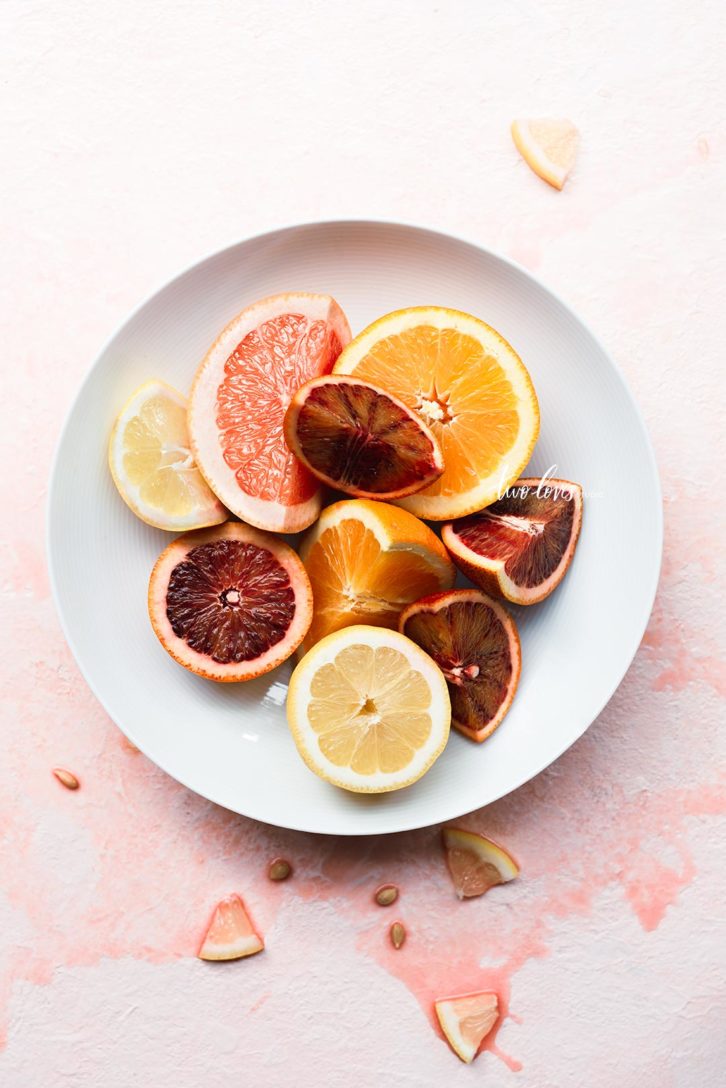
362, 441
260, 376
529, 532
230, 600
469, 643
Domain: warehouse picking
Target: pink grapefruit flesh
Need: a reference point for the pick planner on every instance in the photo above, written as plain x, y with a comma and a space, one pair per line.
476, 863
466, 1021
230, 934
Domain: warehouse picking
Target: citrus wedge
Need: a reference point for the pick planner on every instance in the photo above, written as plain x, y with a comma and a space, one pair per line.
466, 1021
230, 934
366, 561
238, 402
369, 711
476, 863
548, 146
471, 388
520, 547
150, 458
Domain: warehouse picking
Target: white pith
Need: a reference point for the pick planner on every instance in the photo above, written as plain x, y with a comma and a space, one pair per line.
299, 698
211, 512
262, 513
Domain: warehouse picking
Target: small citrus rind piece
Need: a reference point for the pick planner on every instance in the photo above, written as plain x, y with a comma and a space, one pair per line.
469, 386
548, 146
368, 710
359, 439
520, 547
476, 863
229, 603
466, 1021
230, 934
475, 643
366, 561
238, 401
150, 458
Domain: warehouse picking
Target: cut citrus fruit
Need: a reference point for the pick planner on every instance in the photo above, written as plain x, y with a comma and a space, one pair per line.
369, 711
358, 439
466, 1021
476, 863
230, 934
229, 603
152, 466
366, 561
469, 385
475, 643
238, 401
548, 146
521, 546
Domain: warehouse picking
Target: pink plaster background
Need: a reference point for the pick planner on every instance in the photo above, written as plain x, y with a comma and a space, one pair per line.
136, 137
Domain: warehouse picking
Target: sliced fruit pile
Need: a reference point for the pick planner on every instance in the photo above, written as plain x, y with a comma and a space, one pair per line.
429, 409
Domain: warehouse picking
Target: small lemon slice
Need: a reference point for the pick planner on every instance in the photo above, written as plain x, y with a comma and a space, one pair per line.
152, 464
466, 1021
548, 146
369, 711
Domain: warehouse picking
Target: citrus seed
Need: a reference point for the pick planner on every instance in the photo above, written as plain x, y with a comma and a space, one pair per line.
385, 895
397, 934
66, 778
279, 869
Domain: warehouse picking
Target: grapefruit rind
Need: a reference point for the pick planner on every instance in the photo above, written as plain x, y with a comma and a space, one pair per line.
428, 440
262, 513
483, 850
210, 510
490, 574
477, 1011
300, 696
438, 601
201, 664
457, 504
230, 934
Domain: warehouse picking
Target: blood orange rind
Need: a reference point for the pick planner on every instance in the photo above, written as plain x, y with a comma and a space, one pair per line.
236, 592
468, 384
230, 934
357, 438
475, 643
493, 572
466, 1021
475, 862
239, 397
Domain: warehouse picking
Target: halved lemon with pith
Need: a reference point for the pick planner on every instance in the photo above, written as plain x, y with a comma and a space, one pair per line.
472, 389
369, 711
152, 465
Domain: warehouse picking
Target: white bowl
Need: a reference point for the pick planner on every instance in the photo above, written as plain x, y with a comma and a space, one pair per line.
230, 743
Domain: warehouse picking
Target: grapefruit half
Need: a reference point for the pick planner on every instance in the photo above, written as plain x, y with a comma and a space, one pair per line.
238, 402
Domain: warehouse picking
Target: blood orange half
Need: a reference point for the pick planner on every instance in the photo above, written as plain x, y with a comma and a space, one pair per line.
238, 402
521, 546
229, 603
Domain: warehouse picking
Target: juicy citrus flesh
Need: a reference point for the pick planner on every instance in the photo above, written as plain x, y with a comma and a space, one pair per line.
368, 710
468, 385
152, 463
476, 863
548, 146
466, 1021
366, 570
357, 438
476, 646
230, 934
260, 377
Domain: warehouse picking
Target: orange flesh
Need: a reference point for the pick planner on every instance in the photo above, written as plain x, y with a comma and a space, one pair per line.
261, 375
461, 392
355, 581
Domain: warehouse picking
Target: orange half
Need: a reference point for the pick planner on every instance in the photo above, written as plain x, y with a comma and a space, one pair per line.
471, 388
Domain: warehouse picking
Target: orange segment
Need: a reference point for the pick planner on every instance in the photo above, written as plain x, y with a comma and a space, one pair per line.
468, 384
548, 146
366, 561
466, 1021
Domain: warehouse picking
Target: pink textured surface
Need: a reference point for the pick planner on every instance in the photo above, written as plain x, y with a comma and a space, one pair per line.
137, 137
